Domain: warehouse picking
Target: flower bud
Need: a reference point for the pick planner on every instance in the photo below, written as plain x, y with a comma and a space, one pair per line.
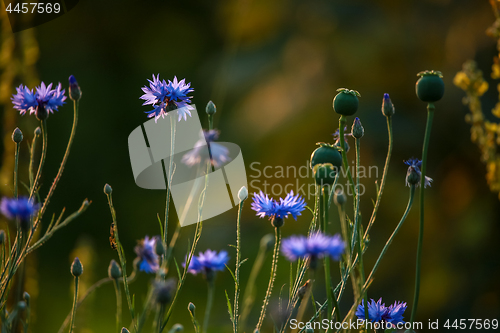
177, 328
243, 194
107, 189
387, 106
2, 237
211, 109
74, 89
346, 102
21, 305
191, 308
26, 298
17, 135
38, 131
430, 86
163, 290
268, 242
159, 248
76, 268
339, 197
357, 129
114, 270
124, 330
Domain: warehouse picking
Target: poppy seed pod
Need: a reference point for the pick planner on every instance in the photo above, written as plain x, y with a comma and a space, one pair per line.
430, 86
325, 174
326, 154
346, 102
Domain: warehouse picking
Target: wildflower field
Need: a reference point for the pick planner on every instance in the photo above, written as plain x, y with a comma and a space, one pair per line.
250, 166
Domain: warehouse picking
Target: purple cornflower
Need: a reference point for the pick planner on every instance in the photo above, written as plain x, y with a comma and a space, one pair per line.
21, 208
42, 102
378, 312
291, 205
208, 262
217, 153
336, 137
316, 246
165, 96
413, 175
148, 259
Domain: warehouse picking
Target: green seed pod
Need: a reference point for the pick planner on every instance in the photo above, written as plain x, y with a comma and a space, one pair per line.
17, 135
326, 154
211, 109
346, 102
430, 86
76, 268
114, 271
339, 197
357, 129
192, 308
325, 174
107, 189
2, 237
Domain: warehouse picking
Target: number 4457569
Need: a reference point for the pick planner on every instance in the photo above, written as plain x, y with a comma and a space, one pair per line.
34, 7
471, 324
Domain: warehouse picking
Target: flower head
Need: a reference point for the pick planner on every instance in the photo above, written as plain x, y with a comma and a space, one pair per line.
378, 312
148, 259
165, 96
317, 245
413, 175
208, 262
21, 208
265, 206
217, 153
336, 137
42, 102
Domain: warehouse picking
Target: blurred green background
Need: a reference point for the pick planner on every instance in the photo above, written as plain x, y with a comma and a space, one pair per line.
272, 68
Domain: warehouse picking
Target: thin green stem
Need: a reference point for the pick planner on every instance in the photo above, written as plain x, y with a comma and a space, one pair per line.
425, 148
42, 158
118, 294
16, 169
32, 157
237, 269
394, 233
170, 175
274, 267
342, 123
210, 302
384, 179
210, 122
326, 260
64, 160
73, 315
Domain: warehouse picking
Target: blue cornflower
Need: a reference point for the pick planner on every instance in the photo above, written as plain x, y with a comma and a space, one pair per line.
316, 246
148, 259
413, 175
165, 96
336, 137
217, 153
378, 312
208, 262
21, 208
42, 102
291, 205
395, 312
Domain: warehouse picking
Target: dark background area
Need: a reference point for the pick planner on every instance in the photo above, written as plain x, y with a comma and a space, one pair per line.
272, 68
